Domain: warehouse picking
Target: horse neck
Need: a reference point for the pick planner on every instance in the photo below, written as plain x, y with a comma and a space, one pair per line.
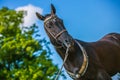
74, 52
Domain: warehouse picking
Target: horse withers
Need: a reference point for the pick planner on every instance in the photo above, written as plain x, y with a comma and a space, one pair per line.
86, 60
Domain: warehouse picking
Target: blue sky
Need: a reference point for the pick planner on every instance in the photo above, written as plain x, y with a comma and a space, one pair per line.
87, 20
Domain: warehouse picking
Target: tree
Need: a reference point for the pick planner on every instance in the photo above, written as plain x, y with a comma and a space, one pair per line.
21, 56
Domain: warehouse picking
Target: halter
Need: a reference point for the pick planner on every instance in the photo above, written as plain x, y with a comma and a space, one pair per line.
57, 35
85, 57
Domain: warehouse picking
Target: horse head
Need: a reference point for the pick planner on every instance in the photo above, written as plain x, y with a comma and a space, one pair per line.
55, 29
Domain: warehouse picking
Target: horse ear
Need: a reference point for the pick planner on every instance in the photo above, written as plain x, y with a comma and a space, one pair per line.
40, 16
53, 10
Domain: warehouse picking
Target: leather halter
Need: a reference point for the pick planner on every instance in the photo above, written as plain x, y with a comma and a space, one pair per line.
84, 66
54, 36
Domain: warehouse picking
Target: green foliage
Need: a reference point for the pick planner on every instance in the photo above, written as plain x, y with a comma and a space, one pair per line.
21, 56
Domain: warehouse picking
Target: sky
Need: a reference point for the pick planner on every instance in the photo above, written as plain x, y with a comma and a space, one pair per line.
87, 20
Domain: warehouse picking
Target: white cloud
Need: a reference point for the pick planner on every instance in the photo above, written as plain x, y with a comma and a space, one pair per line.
30, 16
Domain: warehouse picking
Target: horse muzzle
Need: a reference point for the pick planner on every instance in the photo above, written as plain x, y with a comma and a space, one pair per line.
67, 42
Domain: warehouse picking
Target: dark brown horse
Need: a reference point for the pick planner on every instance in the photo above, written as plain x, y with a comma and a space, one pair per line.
86, 61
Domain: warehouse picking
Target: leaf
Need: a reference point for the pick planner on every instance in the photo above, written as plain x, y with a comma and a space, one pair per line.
22, 57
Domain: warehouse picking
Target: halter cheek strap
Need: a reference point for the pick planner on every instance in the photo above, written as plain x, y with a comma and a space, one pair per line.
84, 66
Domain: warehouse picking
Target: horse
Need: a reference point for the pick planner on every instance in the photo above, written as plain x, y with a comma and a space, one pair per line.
86, 60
